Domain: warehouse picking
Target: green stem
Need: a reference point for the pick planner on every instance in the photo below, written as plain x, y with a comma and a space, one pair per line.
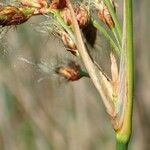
115, 19
63, 24
123, 134
106, 34
116, 37
121, 145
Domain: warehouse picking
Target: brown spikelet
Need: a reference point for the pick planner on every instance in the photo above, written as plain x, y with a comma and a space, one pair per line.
11, 15
104, 14
71, 71
34, 3
81, 13
68, 42
58, 4
65, 14
82, 16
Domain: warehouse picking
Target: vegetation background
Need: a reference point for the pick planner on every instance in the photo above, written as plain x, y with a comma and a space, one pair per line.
41, 111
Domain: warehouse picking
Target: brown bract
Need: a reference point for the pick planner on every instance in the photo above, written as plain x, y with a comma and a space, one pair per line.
115, 75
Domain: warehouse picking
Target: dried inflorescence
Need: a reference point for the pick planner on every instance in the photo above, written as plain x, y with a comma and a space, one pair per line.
11, 15
72, 71
104, 14
39, 6
68, 42
58, 4
81, 13
14, 15
34, 3
82, 16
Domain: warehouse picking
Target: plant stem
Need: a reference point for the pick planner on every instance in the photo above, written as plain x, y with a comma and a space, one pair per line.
106, 34
115, 19
123, 135
116, 37
121, 146
99, 80
63, 24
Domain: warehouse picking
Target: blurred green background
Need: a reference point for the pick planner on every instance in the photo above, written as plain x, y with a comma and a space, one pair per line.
41, 111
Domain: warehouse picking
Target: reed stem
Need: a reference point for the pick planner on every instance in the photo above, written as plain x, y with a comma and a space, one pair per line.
123, 135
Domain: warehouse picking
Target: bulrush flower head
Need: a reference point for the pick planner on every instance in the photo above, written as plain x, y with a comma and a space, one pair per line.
82, 16
58, 4
39, 5
34, 3
68, 42
104, 14
81, 13
11, 15
71, 71
65, 14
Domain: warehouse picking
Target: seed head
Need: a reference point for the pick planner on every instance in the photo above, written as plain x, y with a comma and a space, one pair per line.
11, 15
34, 3
68, 42
104, 14
81, 13
82, 16
71, 71
39, 6
105, 17
58, 4
65, 14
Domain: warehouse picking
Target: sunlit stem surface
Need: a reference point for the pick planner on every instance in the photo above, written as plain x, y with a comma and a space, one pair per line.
123, 134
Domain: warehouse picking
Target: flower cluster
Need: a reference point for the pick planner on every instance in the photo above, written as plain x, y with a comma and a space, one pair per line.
68, 42
15, 15
39, 6
58, 4
71, 71
103, 12
82, 17
11, 15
